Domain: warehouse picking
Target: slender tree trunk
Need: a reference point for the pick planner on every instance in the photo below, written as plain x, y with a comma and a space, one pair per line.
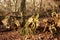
23, 7
16, 7
40, 6
34, 7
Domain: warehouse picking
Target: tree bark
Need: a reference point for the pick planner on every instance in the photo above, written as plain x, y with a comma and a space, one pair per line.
23, 7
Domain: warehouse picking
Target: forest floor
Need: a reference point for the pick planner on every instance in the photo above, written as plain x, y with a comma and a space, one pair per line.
15, 35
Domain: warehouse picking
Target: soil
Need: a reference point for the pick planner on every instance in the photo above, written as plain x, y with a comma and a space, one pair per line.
15, 35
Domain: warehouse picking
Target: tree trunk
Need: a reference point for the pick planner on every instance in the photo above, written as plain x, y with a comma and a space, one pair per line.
23, 7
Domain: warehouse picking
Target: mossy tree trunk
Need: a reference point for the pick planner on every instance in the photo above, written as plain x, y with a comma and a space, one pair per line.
23, 8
